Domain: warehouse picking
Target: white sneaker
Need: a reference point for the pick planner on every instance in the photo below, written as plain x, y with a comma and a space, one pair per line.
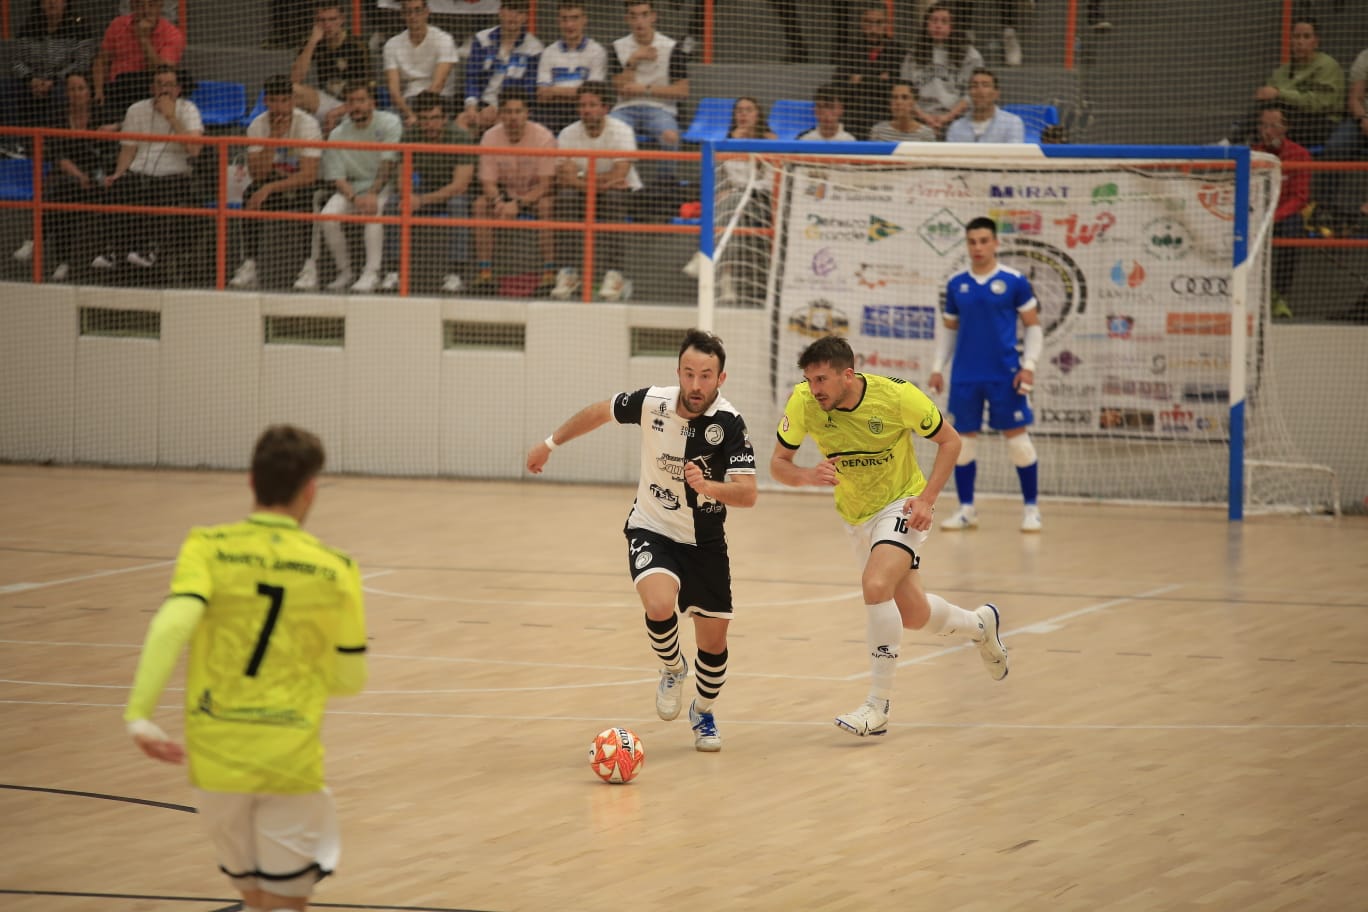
367, 283
102, 262
342, 282
991, 649
615, 287
670, 692
567, 283
1011, 48
966, 517
452, 284
726, 290
142, 259
246, 275
870, 719
390, 282
61, 272
692, 267
1030, 520
25, 251
704, 726
308, 277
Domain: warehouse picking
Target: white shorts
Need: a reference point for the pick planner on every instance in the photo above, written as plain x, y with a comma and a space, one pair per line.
283, 844
888, 526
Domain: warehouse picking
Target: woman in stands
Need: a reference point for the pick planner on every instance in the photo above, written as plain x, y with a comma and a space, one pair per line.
939, 65
53, 43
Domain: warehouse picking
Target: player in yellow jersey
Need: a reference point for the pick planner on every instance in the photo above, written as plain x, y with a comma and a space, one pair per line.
276, 625
861, 423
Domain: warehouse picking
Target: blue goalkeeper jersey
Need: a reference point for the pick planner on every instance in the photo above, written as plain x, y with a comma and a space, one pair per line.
987, 308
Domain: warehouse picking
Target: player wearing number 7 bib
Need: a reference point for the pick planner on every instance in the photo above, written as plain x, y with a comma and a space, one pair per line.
863, 424
275, 624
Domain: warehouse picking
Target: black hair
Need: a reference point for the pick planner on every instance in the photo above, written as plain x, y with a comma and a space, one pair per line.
284, 459
707, 343
833, 350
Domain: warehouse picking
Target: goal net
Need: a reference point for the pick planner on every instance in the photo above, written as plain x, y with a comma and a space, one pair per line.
1159, 381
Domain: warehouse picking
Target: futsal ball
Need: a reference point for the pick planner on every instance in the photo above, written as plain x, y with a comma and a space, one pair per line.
616, 755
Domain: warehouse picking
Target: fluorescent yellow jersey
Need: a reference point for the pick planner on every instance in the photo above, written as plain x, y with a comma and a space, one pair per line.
877, 463
279, 607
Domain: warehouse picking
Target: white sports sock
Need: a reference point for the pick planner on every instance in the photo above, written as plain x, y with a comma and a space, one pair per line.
948, 620
883, 635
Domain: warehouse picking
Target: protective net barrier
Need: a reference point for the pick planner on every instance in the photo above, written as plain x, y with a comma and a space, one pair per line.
1131, 265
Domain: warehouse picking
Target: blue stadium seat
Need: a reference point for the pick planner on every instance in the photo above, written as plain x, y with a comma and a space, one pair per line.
790, 117
16, 179
1036, 117
257, 110
220, 103
712, 118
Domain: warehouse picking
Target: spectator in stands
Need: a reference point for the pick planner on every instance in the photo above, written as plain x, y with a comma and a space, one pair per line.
421, 58
514, 184
826, 102
362, 182
283, 177
151, 173
132, 48
617, 179
505, 55
1349, 142
903, 125
288, 21
866, 67
337, 57
1309, 87
938, 67
53, 44
1295, 195
441, 182
566, 65
986, 122
650, 72
78, 178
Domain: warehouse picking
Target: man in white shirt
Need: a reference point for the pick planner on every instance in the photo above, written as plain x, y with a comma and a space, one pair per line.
650, 73
616, 179
418, 59
152, 173
283, 177
985, 122
829, 109
566, 65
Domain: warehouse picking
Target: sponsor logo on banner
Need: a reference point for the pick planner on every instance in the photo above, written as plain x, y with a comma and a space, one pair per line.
1120, 326
1066, 417
1167, 239
1142, 389
1131, 358
830, 228
1182, 420
1200, 324
881, 193
1105, 193
1017, 221
1110, 418
1202, 361
1201, 286
1077, 232
1123, 276
894, 321
1218, 199
1028, 192
882, 275
819, 318
942, 232
1058, 389
823, 263
1066, 361
898, 364
879, 229
1206, 392
952, 188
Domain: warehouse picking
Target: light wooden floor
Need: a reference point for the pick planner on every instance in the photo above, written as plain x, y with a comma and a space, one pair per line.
1185, 725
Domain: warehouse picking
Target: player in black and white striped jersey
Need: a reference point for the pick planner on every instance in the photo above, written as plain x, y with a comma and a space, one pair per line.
696, 460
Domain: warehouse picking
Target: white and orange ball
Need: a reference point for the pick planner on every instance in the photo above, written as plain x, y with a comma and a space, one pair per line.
617, 755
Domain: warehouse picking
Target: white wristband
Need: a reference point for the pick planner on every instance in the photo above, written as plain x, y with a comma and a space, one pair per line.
550, 441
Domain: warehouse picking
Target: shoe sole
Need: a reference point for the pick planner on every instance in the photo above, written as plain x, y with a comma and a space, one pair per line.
997, 628
850, 729
707, 747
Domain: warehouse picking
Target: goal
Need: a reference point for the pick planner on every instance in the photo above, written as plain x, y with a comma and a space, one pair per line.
1159, 382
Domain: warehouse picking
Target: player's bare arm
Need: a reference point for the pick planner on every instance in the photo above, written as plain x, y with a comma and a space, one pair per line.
731, 490
785, 471
920, 509
589, 418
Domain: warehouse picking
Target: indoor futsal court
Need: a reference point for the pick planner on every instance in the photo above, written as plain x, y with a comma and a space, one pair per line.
1183, 727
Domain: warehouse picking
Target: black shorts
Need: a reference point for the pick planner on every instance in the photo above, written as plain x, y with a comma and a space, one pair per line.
702, 575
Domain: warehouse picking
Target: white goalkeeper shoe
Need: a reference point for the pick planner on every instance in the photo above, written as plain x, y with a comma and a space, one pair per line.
966, 517
991, 648
1030, 520
670, 692
869, 720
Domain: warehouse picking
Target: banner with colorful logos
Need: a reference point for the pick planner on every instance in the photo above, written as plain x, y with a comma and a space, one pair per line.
1131, 267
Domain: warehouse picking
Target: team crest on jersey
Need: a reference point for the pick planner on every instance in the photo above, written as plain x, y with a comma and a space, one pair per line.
713, 434
876, 425
927, 422
964, 287
997, 286
642, 560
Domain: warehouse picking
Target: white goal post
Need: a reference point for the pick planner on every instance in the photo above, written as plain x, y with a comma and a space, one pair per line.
1146, 260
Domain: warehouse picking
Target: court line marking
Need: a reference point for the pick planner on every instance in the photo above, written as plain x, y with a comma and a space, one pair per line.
29, 587
823, 723
499, 603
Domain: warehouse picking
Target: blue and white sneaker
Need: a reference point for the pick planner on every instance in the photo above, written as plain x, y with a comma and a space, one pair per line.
706, 737
670, 692
991, 648
869, 720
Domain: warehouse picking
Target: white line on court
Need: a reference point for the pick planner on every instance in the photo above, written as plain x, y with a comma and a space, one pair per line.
28, 587
370, 590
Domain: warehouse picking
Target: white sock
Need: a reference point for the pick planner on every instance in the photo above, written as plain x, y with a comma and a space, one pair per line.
951, 620
883, 635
